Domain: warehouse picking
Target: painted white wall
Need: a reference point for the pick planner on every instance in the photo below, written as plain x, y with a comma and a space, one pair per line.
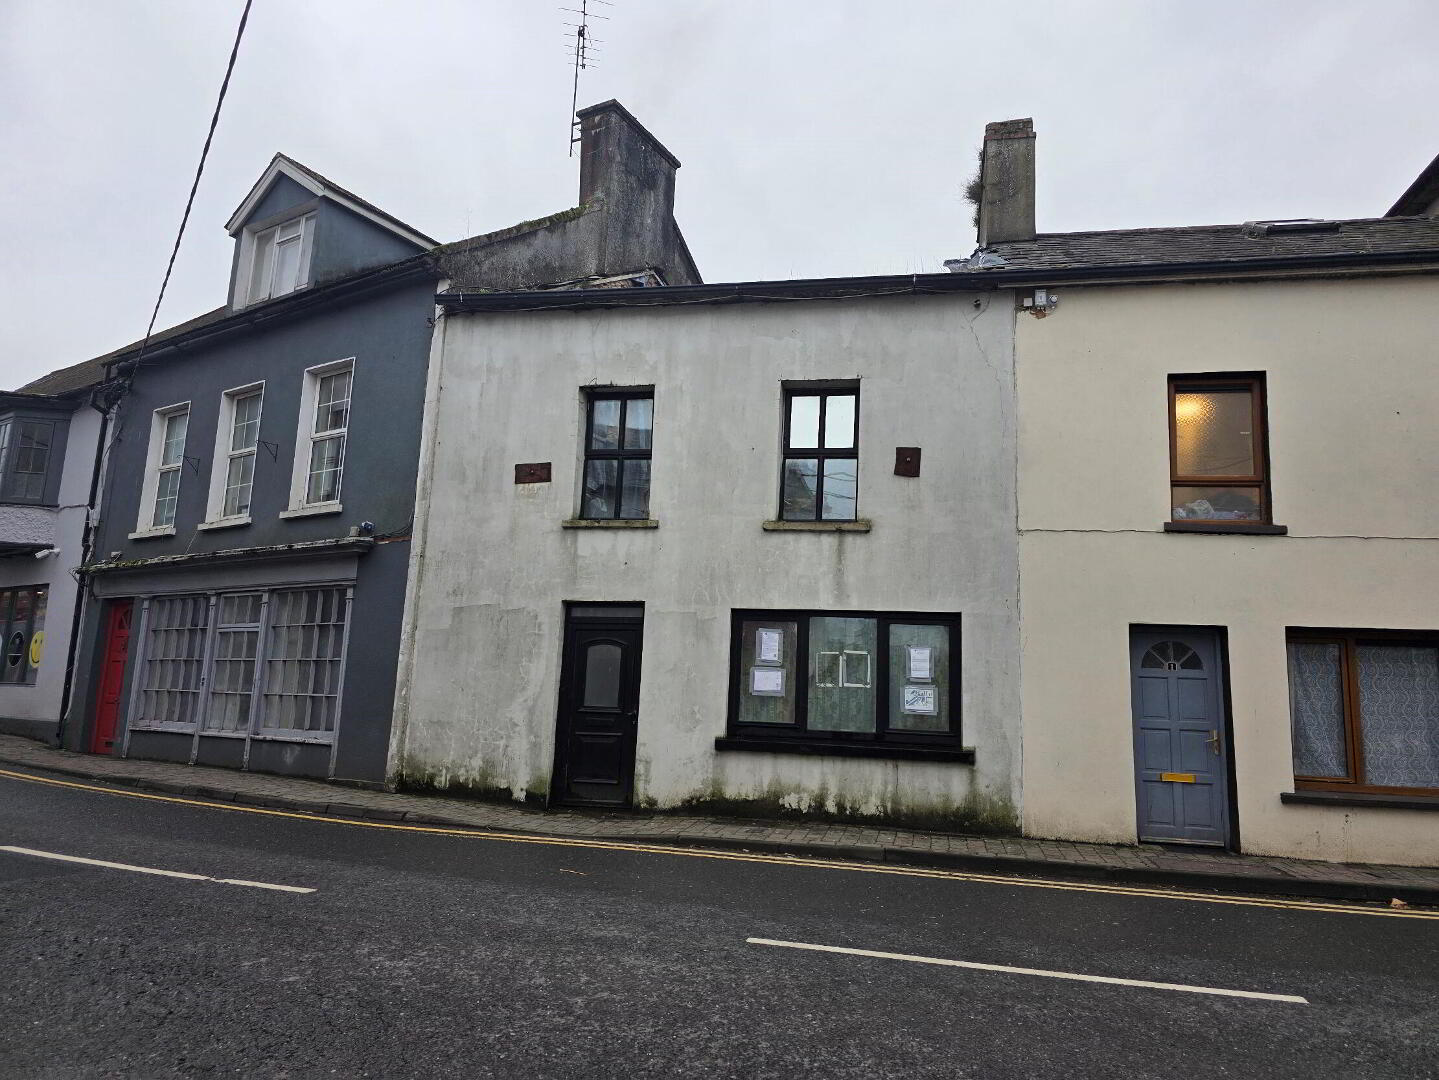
65, 528
478, 699
1354, 451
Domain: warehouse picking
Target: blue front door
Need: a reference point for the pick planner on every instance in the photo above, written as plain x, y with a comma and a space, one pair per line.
1180, 753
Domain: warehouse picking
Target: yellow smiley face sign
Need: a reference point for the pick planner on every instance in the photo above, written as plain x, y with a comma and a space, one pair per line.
37, 648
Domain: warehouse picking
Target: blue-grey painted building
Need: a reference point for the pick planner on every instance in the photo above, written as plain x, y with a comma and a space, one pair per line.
246, 576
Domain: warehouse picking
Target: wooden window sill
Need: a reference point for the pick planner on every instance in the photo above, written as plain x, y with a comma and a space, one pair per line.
152, 534
859, 525
224, 523
610, 523
313, 511
1361, 798
826, 748
1235, 528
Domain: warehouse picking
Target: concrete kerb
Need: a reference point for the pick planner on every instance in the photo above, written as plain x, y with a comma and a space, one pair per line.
1011, 865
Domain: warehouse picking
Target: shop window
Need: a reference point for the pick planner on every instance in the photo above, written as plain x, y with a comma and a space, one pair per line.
1364, 711
845, 676
22, 614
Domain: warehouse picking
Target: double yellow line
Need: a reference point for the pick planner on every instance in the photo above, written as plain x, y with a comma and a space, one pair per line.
792, 861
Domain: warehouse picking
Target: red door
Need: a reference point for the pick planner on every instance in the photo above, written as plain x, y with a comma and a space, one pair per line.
112, 677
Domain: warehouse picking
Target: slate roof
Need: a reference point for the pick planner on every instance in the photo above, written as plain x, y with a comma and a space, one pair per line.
1218, 243
90, 372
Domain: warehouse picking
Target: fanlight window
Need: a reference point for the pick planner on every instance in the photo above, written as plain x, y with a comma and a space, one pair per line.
1172, 656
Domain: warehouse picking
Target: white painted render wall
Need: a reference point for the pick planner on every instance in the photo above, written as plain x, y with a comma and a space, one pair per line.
1353, 394
65, 528
479, 684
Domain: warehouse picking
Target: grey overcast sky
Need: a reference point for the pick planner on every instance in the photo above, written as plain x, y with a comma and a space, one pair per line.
819, 137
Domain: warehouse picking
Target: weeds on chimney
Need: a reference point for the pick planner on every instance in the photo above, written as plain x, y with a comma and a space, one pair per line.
974, 189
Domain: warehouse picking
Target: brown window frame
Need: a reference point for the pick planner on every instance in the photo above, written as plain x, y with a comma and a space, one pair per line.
1253, 382
1348, 640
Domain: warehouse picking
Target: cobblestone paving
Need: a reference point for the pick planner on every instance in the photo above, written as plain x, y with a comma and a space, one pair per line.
800, 837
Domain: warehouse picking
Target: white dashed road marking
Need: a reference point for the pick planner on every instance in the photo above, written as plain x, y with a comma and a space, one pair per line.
151, 870
1004, 969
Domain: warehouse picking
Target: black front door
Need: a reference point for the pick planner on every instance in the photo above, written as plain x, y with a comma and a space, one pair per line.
599, 707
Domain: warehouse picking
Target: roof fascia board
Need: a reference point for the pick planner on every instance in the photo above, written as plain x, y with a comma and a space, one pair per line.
928, 284
283, 166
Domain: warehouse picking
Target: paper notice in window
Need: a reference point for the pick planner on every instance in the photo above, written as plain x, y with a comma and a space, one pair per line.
766, 682
769, 648
921, 700
921, 663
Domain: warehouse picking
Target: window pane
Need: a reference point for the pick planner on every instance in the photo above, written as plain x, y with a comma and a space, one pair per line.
919, 682
264, 256
839, 422
30, 458
173, 446
768, 647
800, 479
841, 479
245, 429
1316, 709
1218, 504
635, 492
167, 493
302, 661
1399, 714
332, 402
287, 265
603, 661
1213, 433
239, 482
842, 669
600, 494
170, 684
325, 458
604, 423
639, 423
804, 421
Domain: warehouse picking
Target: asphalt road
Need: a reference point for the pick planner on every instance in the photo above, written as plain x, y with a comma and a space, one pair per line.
437, 956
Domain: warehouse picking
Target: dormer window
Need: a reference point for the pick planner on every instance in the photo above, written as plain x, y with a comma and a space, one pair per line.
280, 259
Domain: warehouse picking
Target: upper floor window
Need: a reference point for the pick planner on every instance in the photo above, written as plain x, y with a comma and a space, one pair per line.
280, 259
1364, 710
238, 434
324, 431
1217, 452
167, 459
821, 455
618, 445
26, 448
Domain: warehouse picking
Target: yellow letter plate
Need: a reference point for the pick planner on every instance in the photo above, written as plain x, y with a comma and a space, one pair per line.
1178, 777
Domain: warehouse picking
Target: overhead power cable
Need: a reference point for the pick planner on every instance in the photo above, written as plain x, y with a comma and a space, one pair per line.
195, 186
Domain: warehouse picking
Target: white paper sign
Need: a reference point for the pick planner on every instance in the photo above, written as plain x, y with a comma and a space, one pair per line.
921, 663
766, 682
921, 700
769, 647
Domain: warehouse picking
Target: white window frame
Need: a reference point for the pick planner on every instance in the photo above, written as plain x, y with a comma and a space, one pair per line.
144, 523
305, 438
257, 243
215, 517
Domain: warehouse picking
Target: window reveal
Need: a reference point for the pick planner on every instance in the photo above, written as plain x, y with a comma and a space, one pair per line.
1218, 449
619, 439
828, 676
1364, 711
821, 456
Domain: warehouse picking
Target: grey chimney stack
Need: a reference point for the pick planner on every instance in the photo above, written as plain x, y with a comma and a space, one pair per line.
1006, 174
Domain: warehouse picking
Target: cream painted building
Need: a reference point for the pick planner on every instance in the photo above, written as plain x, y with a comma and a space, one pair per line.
1228, 526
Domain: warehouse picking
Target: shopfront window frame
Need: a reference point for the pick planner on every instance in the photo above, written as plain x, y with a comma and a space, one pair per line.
883, 735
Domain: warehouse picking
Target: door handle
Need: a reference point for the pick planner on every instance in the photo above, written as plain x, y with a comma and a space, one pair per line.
1213, 741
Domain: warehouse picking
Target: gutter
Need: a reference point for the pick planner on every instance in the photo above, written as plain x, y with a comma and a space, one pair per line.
965, 281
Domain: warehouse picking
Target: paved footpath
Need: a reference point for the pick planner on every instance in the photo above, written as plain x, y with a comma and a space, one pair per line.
1148, 864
